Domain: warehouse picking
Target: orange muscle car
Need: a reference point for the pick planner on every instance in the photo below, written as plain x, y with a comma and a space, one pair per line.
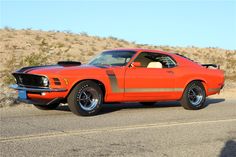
120, 75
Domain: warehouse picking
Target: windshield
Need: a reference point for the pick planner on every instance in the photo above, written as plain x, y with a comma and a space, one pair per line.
112, 58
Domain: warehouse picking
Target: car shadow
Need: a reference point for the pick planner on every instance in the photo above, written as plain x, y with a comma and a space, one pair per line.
107, 108
63, 108
113, 107
211, 101
229, 149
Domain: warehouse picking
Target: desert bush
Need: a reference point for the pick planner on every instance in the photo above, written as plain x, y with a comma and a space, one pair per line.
90, 53
94, 49
10, 67
60, 44
27, 32
38, 38
13, 64
84, 34
8, 28
9, 36
35, 59
67, 49
67, 39
112, 38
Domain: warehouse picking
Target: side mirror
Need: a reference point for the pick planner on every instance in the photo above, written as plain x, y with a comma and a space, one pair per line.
136, 64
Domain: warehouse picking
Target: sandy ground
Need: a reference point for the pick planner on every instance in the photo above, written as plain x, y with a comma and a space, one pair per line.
227, 93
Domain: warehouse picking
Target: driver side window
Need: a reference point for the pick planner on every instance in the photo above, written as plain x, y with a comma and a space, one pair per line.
155, 60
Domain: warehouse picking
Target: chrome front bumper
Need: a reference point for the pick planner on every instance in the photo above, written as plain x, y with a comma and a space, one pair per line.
16, 87
39, 90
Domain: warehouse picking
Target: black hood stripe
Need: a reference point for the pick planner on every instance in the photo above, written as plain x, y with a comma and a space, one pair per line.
30, 68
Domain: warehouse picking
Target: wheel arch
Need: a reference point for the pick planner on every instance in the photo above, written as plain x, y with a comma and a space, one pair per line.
100, 83
204, 83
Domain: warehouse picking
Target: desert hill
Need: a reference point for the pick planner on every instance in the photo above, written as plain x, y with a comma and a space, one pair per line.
20, 48
34, 47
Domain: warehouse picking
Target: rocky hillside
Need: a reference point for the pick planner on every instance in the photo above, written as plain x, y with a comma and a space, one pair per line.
30, 47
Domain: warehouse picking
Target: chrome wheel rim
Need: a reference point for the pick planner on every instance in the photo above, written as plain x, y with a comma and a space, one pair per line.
195, 95
88, 99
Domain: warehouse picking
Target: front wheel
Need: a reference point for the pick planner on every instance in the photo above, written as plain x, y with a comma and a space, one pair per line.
194, 96
85, 99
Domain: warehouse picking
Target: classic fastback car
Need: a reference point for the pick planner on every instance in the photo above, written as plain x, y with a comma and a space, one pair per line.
121, 75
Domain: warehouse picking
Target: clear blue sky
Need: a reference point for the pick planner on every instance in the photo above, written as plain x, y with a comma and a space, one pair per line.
175, 23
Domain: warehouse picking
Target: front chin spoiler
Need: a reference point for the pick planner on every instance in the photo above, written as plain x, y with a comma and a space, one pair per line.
41, 102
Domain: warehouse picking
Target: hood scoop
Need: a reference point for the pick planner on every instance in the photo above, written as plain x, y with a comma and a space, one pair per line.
69, 63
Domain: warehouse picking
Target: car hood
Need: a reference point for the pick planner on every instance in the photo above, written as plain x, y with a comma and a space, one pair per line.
55, 69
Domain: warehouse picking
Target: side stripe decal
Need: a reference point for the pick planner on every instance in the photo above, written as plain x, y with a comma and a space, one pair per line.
116, 89
153, 89
114, 82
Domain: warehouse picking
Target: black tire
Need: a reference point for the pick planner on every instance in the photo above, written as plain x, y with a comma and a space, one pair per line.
148, 103
85, 99
194, 96
47, 107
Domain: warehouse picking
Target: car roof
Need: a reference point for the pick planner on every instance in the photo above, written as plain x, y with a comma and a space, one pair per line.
179, 58
141, 50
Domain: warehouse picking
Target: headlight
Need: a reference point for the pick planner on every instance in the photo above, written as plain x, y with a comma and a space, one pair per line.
45, 81
15, 80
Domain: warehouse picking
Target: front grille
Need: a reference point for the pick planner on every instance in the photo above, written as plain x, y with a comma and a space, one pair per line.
29, 80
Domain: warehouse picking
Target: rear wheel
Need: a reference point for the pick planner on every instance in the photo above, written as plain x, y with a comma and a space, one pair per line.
85, 99
47, 107
194, 96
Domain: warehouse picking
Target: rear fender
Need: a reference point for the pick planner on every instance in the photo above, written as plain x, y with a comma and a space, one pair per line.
203, 81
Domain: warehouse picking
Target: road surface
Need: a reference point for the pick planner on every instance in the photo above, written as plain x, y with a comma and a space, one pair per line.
165, 129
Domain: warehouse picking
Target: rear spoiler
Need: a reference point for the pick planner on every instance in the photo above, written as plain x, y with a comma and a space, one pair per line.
211, 65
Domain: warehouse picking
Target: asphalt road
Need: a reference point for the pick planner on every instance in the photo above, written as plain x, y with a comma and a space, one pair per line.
165, 129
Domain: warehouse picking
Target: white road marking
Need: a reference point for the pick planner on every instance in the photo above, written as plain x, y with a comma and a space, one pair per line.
108, 129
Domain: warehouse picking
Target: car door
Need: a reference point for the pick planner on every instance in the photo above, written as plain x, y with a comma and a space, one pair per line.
154, 79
